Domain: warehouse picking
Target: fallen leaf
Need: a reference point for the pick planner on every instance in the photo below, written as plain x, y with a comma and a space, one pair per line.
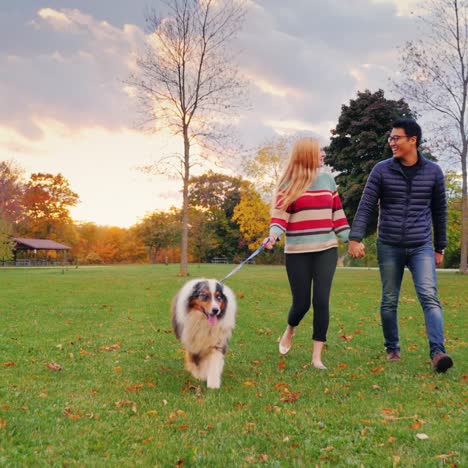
54, 366
391, 439
346, 337
123, 403
290, 397
134, 388
282, 365
377, 369
422, 436
281, 384
110, 348
68, 413
3, 424
342, 366
444, 456
9, 364
249, 383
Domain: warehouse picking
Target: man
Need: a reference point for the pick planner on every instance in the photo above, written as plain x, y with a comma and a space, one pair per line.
410, 193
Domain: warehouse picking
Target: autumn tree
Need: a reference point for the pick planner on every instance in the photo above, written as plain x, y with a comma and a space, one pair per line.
435, 78
46, 204
6, 242
359, 141
187, 81
11, 191
252, 214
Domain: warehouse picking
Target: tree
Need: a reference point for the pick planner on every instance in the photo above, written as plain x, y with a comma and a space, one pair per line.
46, 203
204, 241
187, 82
435, 78
265, 166
11, 191
253, 216
359, 141
159, 230
6, 242
217, 195
454, 201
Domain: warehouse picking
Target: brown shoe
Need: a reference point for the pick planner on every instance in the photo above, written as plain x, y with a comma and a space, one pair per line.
441, 362
393, 356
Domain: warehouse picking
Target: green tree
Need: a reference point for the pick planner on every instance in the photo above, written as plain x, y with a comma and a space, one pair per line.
216, 195
454, 200
159, 230
204, 241
359, 141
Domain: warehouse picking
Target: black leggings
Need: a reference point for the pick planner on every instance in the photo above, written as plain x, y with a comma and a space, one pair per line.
304, 269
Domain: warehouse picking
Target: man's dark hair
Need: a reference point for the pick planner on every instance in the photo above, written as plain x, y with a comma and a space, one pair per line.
411, 128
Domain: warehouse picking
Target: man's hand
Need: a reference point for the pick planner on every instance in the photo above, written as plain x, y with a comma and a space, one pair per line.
356, 249
439, 259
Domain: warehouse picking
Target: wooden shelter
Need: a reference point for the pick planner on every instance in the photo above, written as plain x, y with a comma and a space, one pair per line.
32, 246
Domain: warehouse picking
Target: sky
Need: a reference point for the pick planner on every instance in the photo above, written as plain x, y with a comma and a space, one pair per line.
66, 108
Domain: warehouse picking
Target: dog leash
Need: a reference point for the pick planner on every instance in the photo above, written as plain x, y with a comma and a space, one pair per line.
238, 267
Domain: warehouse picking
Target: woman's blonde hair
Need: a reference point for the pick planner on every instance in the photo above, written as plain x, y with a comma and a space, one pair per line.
300, 172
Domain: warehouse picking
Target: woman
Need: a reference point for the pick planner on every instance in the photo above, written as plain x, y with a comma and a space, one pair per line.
308, 210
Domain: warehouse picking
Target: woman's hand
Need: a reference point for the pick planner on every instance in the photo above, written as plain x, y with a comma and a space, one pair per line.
269, 242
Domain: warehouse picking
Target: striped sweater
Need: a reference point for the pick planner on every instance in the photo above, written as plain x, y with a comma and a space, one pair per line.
312, 222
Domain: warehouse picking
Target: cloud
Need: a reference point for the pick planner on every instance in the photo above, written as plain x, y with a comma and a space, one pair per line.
65, 106
305, 61
73, 72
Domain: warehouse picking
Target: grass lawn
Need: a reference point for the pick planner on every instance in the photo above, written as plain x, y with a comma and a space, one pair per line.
92, 375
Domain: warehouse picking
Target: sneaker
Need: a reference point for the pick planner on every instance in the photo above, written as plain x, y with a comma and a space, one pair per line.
393, 355
441, 362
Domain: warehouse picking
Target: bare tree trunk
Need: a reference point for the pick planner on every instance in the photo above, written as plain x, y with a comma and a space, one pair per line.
185, 206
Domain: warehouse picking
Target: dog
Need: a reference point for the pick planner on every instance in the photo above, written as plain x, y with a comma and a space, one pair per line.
203, 318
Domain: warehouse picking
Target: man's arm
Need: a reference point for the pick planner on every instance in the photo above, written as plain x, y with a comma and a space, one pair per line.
439, 217
370, 197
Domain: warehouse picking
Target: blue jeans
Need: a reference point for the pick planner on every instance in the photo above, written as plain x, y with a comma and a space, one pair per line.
421, 263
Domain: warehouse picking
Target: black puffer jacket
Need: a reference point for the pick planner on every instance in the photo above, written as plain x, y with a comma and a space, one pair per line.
408, 208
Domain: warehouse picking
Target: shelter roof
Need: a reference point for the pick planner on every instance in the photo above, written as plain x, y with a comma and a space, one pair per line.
38, 244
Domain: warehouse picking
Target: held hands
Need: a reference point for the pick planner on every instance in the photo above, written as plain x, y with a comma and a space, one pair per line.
269, 242
356, 249
439, 258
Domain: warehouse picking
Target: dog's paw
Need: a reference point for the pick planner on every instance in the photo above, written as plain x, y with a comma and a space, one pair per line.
213, 383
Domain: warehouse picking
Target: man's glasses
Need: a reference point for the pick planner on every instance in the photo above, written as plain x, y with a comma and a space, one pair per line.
396, 138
